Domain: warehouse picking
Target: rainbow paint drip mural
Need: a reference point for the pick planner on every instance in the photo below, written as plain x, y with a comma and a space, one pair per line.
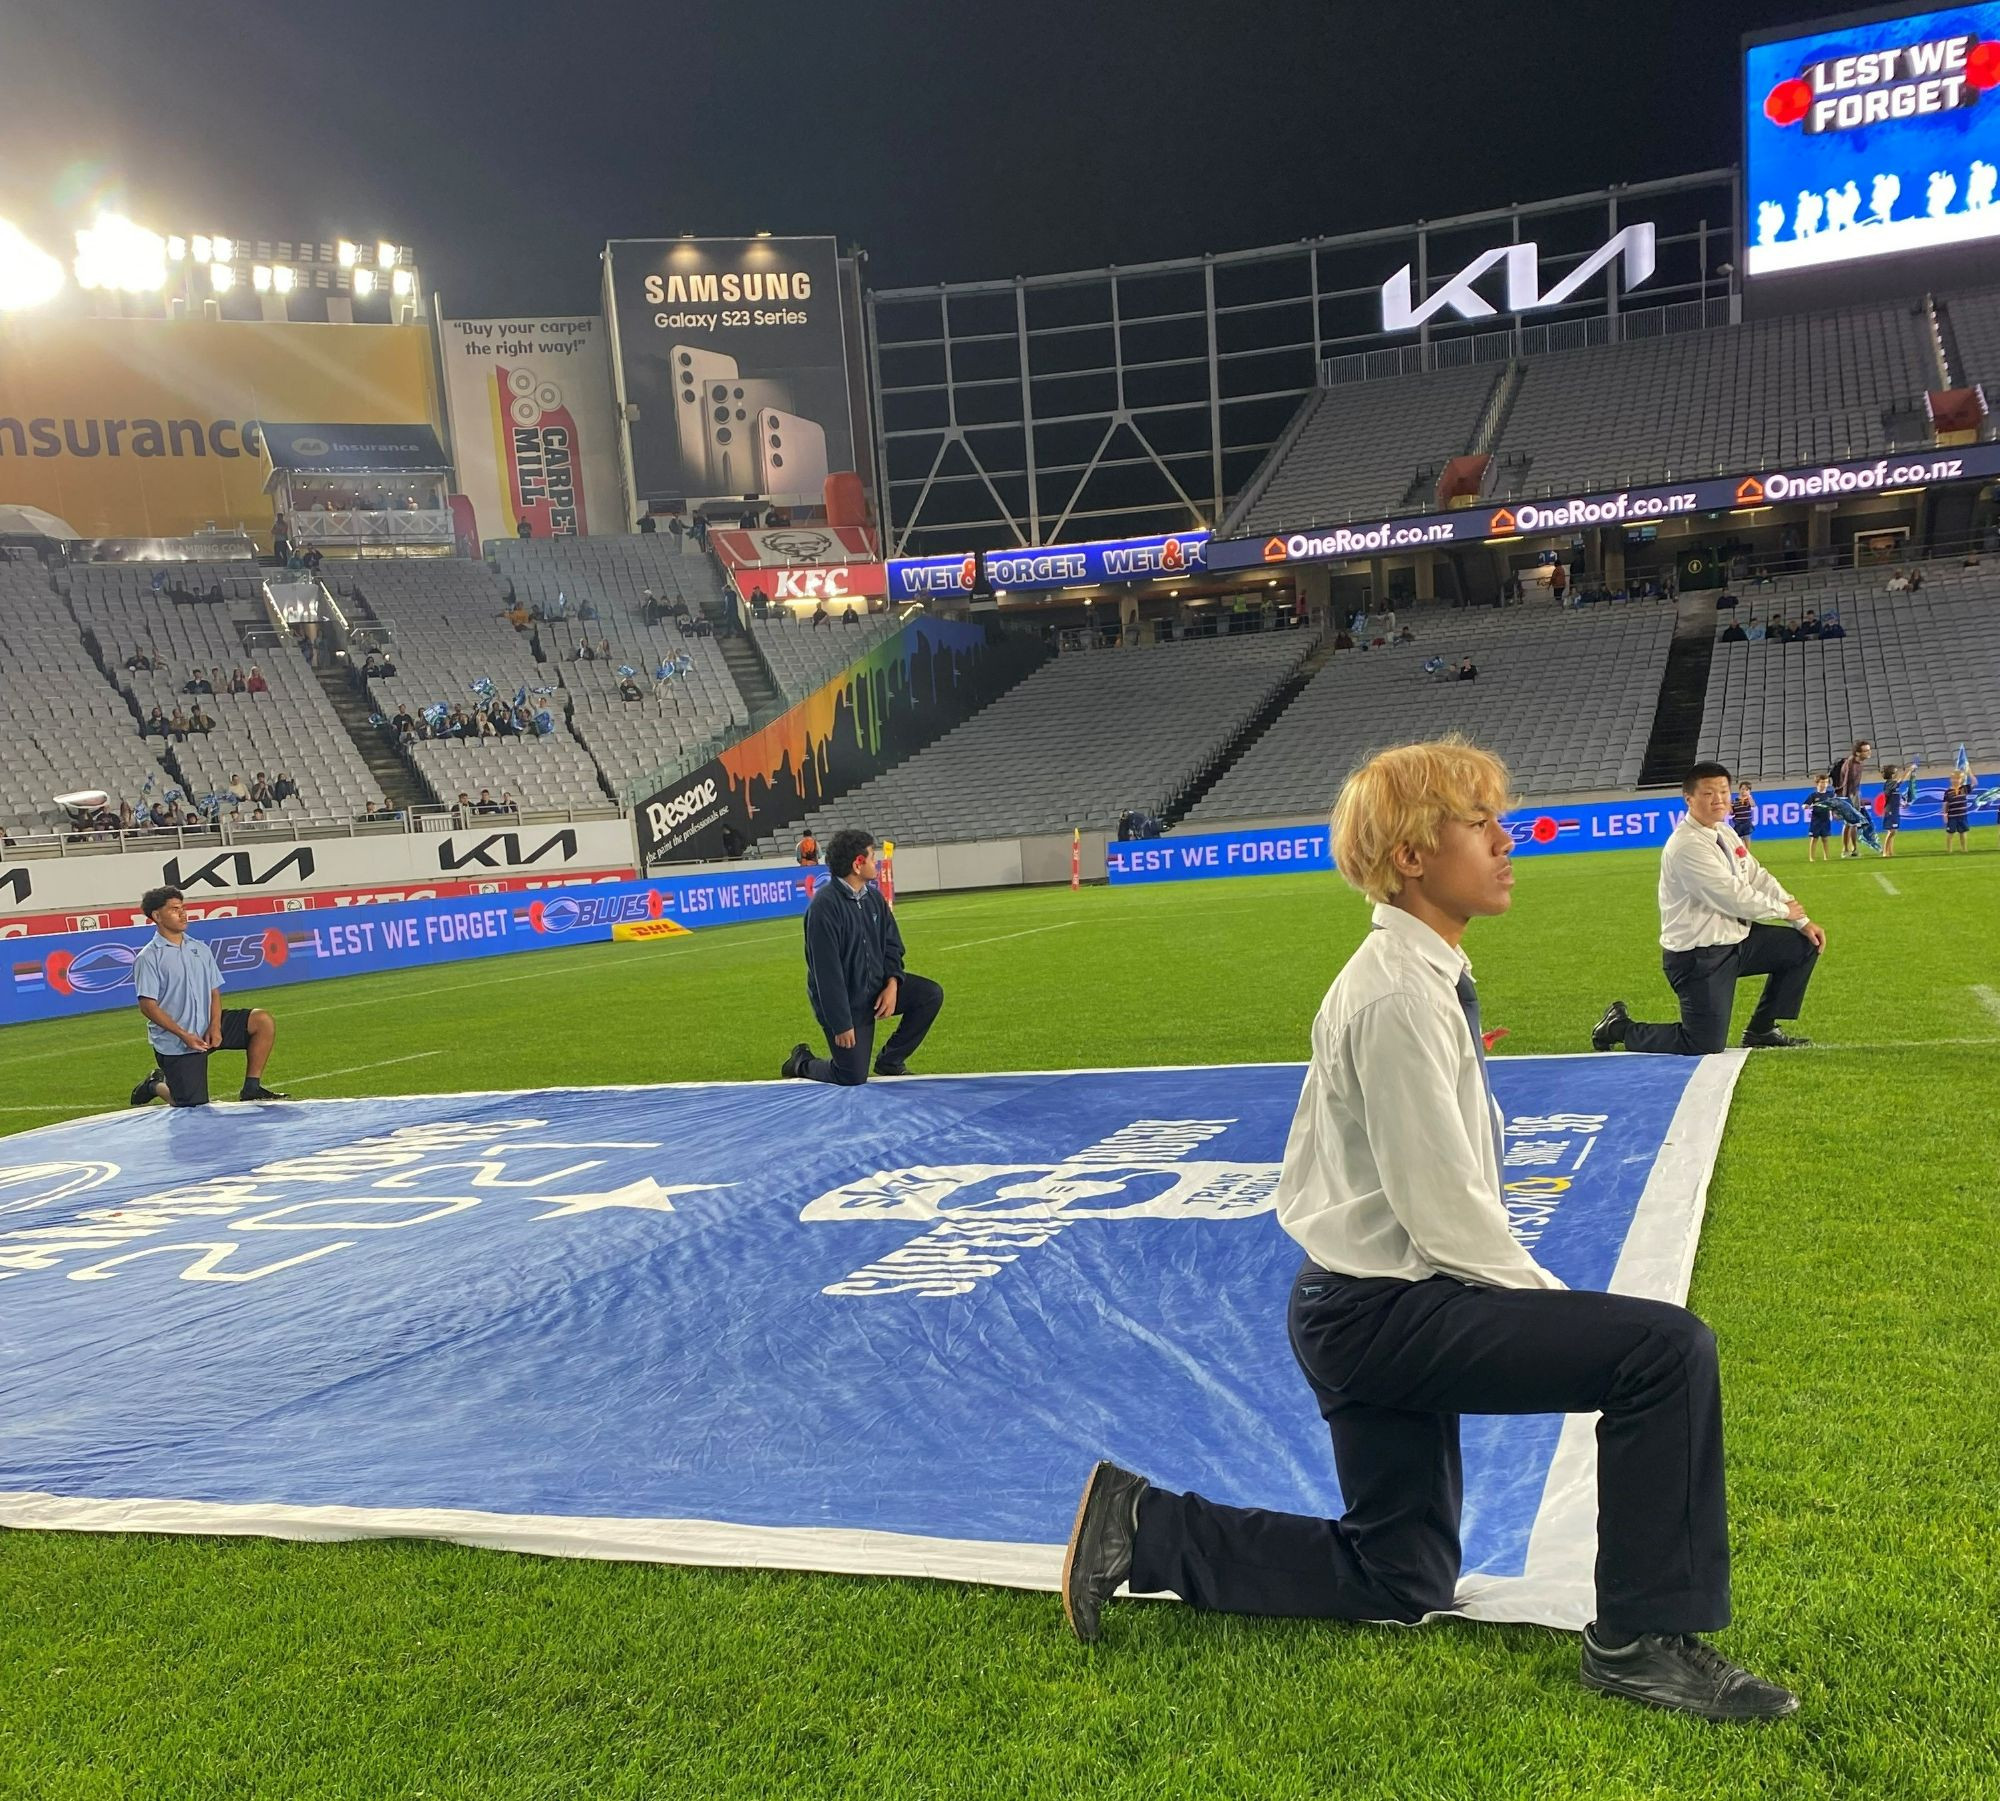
893, 700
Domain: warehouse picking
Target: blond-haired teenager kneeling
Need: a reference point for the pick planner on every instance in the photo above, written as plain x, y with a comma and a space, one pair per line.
1415, 1304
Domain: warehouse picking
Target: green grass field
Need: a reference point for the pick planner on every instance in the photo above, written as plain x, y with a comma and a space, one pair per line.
1848, 1264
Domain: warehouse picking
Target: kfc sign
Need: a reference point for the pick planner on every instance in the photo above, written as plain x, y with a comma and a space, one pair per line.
826, 581
1524, 281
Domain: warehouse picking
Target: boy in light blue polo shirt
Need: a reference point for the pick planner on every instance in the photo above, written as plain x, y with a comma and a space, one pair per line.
180, 998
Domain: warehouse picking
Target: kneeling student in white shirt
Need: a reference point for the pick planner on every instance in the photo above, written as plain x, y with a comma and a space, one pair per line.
1415, 1304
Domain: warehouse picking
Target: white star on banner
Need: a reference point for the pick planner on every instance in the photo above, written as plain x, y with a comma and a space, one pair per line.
644, 1195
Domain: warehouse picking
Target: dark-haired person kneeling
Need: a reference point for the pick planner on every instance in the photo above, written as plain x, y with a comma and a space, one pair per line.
180, 997
855, 974
1716, 900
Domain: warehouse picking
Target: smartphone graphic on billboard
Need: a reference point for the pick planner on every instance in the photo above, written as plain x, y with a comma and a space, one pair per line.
791, 453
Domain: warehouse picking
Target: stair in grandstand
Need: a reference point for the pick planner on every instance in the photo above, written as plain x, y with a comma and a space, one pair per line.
1944, 342
351, 707
1254, 728
1676, 734
1499, 403
753, 680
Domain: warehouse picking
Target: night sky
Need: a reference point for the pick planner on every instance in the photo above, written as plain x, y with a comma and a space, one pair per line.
952, 141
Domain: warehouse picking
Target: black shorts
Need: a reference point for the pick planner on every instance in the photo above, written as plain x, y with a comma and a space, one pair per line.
187, 1075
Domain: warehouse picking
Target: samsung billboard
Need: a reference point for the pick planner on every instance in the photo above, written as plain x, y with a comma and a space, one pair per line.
1870, 136
731, 362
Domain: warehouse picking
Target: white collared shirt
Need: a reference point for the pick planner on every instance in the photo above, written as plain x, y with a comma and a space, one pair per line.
1391, 1167
1711, 888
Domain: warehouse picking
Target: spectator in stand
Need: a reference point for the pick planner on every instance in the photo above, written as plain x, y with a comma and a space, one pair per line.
1781, 633
526, 529
237, 685
200, 720
808, 848
819, 615
651, 610
155, 726
260, 790
1558, 582
675, 528
139, 662
239, 787
516, 614
255, 682
628, 689
160, 815
402, 725
371, 666
197, 683
1733, 633
1809, 627
850, 616
284, 788
604, 650
1916, 581
281, 541
1899, 583
177, 726
1830, 627
508, 804
1467, 671
216, 685
125, 818
487, 804
370, 813
462, 807
648, 525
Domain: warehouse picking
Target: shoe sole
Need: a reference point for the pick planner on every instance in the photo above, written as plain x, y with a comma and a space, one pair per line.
1603, 1687
1069, 1551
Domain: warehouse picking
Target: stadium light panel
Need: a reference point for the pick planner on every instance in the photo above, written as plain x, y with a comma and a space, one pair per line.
385, 256
345, 253
203, 248
364, 283
284, 278
221, 277
404, 281
115, 253
260, 278
29, 276
225, 249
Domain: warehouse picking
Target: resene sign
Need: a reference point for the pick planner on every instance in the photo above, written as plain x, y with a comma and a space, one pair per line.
1527, 518
1051, 566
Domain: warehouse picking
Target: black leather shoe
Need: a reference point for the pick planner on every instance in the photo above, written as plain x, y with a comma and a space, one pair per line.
1610, 1030
1100, 1545
1776, 1039
1680, 1673
885, 1068
256, 1091
795, 1064
146, 1093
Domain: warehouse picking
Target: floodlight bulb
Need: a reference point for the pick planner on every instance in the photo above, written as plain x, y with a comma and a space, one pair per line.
115, 253
385, 256
177, 250
404, 281
225, 249
204, 248
283, 278
364, 283
345, 253
221, 277
260, 278
29, 276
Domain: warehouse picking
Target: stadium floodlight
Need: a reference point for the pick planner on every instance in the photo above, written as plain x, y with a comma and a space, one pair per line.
221, 277
202, 246
29, 276
385, 256
284, 278
404, 281
364, 283
225, 249
345, 253
260, 277
177, 250
115, 253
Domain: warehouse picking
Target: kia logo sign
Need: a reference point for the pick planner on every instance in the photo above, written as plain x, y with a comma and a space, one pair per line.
1401, 312
510, 854
234, 869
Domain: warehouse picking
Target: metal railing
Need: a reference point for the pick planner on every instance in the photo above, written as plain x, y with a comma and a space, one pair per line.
85, 840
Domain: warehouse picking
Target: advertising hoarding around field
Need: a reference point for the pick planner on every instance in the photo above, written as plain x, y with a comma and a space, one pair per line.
1871, 139
532, 424
731, 361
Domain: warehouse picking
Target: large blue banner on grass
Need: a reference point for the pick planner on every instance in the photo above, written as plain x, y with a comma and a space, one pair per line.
884, 1329
58, 975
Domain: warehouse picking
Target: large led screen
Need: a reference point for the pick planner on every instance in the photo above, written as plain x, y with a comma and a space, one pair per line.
1872, 139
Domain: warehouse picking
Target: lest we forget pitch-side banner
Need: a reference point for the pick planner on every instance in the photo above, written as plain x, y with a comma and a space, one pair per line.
62, 974
640, 1323
531, 424
1536, 831
734, 354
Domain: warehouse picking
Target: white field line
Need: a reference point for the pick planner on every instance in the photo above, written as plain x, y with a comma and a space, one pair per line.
1986, 998
353, 1069
1888, 887
998, 938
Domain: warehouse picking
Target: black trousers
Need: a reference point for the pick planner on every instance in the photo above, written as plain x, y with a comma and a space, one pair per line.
1705, 980
186, 1076
917, 1001
1393, 1365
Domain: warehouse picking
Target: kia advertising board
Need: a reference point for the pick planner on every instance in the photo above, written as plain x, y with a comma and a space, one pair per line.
731, 362
531, 424
1868, 138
